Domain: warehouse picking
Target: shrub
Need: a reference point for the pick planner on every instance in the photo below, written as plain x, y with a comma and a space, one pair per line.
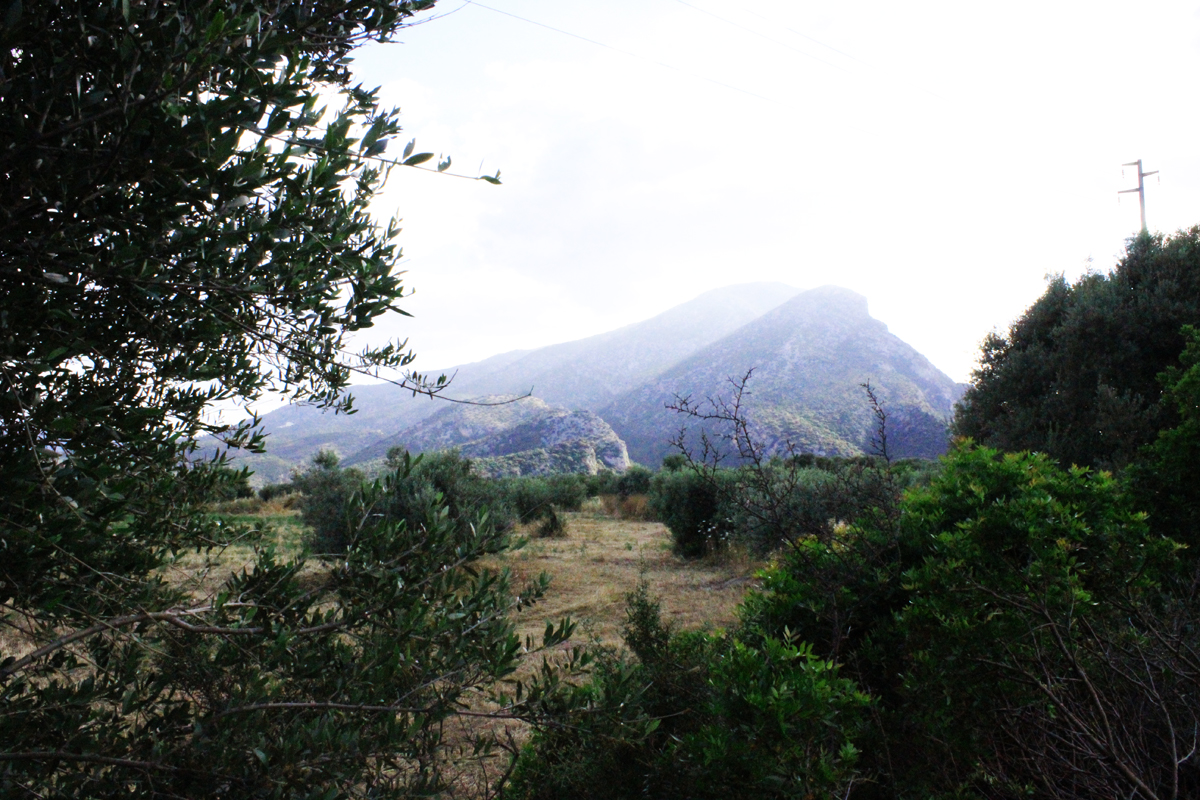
231, 484
435, 479
699, 716
1003, 613
552, 525
326, 488
635, 480
603, 482
689, 504
445, 477
529, 498
273, 490
674, 462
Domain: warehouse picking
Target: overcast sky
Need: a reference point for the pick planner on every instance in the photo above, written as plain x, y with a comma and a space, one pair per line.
940, 159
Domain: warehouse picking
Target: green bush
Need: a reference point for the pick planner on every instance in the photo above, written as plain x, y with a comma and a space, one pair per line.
1002, 612
431, 480
531, 498
695, 715
552, 525
326, 488
689, 504
635, 480
273, 490
445, 477
231, 484
603, 482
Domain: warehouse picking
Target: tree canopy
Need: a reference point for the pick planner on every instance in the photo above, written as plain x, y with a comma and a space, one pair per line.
184, 220
1076, 376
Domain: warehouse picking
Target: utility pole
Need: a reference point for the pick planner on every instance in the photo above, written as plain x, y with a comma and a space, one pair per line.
1141, 187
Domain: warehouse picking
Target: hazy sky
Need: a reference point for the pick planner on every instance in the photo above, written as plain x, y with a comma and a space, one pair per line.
939, 158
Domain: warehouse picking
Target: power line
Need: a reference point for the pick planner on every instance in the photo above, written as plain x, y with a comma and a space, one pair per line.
623, 52
797, 50
806, 36
763, 35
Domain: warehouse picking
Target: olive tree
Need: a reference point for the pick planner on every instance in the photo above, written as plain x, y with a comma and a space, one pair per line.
184, 220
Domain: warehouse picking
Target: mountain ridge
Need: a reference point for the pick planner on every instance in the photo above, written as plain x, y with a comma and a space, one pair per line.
825, 333
296, 433
810, 351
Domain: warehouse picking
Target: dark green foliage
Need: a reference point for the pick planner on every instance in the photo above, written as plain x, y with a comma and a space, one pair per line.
674, 462
273, 490
430, 480
1076, 376
326, 489
233, 484
635, 480
699, 716
1167, 477
446, 477
689, 504
532, 498
568, 491
997, 617
777, 502
183, 224
164, 249
295, 680
1021, 617
603, 482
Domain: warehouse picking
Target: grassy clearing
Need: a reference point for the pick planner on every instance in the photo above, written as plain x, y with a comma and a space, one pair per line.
601, 559
598, 561
201, 573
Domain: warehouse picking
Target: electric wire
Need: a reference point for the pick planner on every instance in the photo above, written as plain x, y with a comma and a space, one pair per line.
753, 32
629, 53
802, 35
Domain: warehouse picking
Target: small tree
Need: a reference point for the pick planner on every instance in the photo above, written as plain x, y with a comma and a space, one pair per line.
771, 499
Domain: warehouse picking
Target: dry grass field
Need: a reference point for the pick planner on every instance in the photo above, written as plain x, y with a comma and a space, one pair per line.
592, 568
602, 558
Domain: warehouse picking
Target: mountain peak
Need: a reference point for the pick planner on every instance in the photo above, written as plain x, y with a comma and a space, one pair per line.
810, 357
828, 299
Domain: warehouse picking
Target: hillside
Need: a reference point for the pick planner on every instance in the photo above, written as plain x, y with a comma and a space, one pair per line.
810, 350
590, 373
526, 437
810, 356
583, 374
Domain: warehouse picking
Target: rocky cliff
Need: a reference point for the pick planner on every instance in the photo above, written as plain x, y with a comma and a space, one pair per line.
523, 437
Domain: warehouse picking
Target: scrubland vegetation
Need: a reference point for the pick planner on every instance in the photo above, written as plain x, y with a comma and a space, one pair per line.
994, 624
185, 226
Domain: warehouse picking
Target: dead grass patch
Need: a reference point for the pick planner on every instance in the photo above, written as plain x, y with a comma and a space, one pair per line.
602, 561
634, 507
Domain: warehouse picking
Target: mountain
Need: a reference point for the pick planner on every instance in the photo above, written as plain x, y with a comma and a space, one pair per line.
583, 374
524, 437
810, 351
590, 373
810, 356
